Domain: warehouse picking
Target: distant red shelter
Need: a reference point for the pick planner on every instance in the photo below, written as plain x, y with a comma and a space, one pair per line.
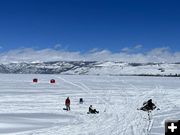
35, 80
52, 81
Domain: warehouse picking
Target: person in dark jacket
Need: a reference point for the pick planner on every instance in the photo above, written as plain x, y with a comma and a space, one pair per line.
91, 110
67, 103
148, 106
81, 100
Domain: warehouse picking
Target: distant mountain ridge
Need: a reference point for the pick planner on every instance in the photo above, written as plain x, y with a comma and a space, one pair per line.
92, 68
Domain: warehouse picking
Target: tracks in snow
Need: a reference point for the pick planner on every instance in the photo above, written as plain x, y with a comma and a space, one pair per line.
120, 104
132, 121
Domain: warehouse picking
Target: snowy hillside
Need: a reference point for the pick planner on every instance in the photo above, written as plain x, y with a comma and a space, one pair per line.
93, 68
37, 109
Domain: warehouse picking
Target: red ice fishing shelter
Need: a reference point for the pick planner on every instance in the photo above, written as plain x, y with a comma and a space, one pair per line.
35, 80
52, 81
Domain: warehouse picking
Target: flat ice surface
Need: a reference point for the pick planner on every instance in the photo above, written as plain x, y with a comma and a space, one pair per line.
28, 108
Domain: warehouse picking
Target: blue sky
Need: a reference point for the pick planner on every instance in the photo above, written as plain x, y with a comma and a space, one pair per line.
82, 25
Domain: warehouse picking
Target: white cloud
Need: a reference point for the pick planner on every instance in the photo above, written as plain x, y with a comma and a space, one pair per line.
138, 46
94, 50
126, 49
57, 46
32, 55
132, 49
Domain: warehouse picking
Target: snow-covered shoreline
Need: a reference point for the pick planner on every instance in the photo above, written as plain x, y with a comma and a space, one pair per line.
93, 68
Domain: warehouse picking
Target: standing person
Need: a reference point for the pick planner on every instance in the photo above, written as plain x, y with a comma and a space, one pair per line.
67, 103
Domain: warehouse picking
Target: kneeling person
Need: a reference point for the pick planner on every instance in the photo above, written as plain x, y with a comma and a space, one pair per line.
148, 106
91, 110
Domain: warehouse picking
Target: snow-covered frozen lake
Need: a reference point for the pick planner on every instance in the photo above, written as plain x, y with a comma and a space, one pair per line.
37, 109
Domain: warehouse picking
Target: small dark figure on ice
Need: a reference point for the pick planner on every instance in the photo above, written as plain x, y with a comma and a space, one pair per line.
92, 110
81, 100
67, 103
148, 106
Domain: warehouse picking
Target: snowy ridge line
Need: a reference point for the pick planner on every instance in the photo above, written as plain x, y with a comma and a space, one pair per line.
93, 68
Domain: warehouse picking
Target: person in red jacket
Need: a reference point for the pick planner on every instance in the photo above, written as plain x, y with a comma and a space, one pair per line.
67, 103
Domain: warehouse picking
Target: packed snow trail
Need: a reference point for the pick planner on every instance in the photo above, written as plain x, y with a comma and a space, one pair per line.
87, 90
84, 88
